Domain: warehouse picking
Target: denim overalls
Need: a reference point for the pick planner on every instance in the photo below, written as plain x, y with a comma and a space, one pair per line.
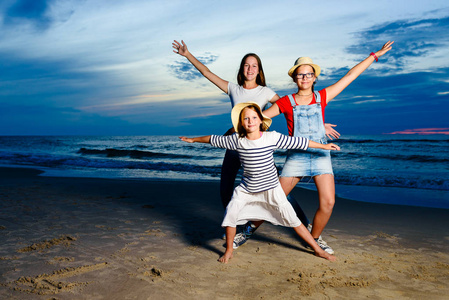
308, 123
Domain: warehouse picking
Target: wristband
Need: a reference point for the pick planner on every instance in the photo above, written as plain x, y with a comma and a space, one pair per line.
375, 56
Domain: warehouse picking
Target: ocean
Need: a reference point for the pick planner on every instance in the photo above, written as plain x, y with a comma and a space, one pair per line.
392, 169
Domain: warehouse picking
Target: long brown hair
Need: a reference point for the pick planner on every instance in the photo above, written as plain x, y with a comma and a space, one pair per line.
260, 79
241, 130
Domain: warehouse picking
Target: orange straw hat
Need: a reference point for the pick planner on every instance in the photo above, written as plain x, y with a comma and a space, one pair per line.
235, 115
304, 61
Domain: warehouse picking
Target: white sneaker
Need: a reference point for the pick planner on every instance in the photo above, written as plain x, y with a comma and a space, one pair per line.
321, 242
324, 245
239, 239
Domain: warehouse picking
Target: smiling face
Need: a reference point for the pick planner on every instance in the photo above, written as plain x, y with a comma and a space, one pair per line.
302, 81
250, 68
250, 120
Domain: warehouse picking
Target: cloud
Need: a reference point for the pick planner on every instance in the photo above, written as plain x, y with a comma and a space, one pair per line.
423, 131
411, 100
186, 71
31, 10
97, 58
48, 120
370, 101
37, 82
415, 38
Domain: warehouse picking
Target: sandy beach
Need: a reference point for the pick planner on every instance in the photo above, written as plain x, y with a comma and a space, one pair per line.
82, 238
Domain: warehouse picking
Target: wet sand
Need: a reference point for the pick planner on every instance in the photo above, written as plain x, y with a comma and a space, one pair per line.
82, 238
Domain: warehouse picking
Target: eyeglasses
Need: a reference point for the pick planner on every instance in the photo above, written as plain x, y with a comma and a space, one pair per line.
307, 75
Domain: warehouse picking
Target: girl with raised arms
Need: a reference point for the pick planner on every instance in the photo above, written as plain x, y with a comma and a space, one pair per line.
304, 112
251, 87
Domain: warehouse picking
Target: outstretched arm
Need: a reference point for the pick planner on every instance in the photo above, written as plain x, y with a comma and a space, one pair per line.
335, 89
200, 139
181, 49
329, 146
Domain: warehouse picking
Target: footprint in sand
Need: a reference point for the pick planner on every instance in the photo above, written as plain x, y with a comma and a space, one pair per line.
49, 284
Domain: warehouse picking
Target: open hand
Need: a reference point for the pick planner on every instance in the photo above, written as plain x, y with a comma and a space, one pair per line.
385, 48
331, 132
186, 139
332, 146
180, 48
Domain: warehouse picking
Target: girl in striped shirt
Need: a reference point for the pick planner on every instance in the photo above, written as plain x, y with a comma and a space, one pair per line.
259, 196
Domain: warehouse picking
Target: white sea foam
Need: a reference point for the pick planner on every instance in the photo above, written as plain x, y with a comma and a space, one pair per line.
415, 163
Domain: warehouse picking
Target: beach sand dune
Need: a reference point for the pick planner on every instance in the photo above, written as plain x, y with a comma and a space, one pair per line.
83, 238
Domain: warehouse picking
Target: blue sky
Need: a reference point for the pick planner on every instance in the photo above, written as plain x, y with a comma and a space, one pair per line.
107, 67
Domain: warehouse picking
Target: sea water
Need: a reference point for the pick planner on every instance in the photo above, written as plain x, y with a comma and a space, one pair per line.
394, 169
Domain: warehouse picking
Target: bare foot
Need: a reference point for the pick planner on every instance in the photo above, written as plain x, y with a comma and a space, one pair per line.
325, 255
225, 258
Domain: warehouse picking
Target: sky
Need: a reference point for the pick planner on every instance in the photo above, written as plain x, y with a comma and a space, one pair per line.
78, 67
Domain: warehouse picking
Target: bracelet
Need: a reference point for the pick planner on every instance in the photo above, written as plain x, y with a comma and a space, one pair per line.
375, 56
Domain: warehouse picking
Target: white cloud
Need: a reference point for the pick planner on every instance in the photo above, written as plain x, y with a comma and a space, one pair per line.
370, 101
123, 48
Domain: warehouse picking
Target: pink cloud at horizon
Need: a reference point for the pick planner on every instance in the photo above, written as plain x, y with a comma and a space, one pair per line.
423, 131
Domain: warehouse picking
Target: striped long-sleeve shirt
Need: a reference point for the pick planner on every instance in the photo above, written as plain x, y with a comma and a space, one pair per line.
256, 156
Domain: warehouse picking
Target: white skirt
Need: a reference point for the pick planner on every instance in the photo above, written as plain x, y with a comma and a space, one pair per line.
271, 206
